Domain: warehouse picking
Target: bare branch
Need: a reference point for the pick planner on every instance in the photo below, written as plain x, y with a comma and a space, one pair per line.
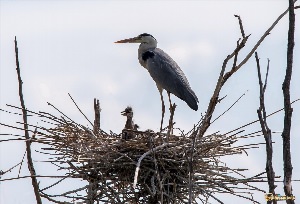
261, 112
224, 77
288, 168
97, 111
28, 143
241, 25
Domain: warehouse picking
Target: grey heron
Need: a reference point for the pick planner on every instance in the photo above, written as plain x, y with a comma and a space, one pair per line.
129, 125
164, 71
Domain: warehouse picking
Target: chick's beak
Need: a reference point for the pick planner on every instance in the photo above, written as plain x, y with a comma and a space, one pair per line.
130, 40
123, 113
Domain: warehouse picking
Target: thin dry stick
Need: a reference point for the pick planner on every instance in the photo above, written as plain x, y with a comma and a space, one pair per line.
255, 121
80, 110
28, 143
191, 170
261, 112
229, 107
287, 161
9, 170
36, 176
241, 25
21, 163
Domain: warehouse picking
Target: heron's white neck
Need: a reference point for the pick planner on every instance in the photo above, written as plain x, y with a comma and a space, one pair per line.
151, 44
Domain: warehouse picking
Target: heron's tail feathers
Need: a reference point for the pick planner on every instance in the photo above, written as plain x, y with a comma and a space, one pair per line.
192, 100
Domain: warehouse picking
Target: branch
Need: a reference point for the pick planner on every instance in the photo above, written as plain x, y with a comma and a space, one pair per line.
28, 143
260, 41
241, 25
224, 77
97, 111
80, 109
287, 105
261, 112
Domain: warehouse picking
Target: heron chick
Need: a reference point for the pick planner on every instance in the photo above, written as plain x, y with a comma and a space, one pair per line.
164, 71
129, 125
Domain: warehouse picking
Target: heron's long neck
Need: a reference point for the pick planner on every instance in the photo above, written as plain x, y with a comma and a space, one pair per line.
144, 47
129, 123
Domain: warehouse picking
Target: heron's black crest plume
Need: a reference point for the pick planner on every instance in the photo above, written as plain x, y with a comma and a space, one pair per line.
128, 109
146, 34
146, 55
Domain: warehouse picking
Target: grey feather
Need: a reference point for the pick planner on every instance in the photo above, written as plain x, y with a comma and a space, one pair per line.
168, 75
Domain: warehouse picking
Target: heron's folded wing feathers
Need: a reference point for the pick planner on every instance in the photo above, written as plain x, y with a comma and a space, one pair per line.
168, 75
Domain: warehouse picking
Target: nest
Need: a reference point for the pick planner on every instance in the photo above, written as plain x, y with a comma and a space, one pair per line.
149, 168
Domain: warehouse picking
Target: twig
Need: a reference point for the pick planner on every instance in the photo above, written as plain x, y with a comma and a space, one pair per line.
28, 143
52, 200
21, 163
60, 180
191, 170
35, 176
241, 25
255, 121
80, 110
229, 107
4, 172
157, 172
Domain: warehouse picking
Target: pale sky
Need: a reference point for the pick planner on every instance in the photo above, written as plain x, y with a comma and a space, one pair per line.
67, 47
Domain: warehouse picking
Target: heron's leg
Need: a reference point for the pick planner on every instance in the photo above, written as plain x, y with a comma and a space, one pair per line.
171, 117
170, 101
162, 107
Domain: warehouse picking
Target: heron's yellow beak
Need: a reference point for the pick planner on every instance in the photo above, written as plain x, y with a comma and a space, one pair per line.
130, 40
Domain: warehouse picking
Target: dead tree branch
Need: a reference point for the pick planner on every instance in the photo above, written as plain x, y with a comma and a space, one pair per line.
241, 25
261, 112
26, 132
287, 161
223, 77
97, 111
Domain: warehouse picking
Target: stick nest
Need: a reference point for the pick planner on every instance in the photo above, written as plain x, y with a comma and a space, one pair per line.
109, 163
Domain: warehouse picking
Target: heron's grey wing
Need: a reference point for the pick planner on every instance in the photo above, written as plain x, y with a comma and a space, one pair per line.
168, 75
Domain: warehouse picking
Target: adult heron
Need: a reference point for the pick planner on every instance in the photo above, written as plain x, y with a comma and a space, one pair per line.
164, 71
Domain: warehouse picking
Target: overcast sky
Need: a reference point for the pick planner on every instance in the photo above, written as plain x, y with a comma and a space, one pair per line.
67, 47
